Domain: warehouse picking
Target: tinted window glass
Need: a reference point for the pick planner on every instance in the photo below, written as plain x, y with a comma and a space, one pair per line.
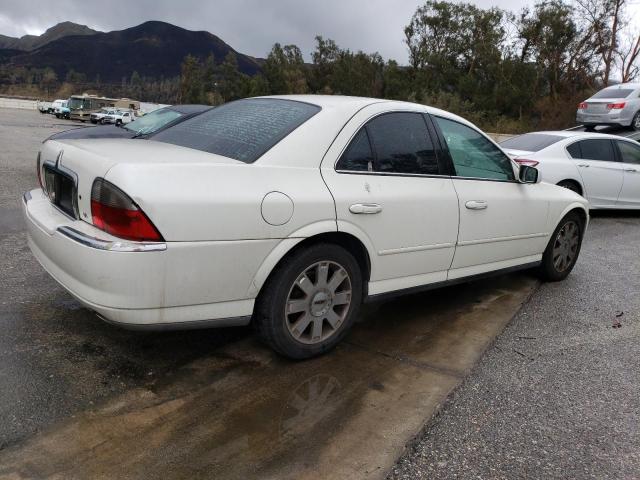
358, 156
574, 150
630, 152
614, 93
531, 142
472, 154
597, 149
402, 144
243, 130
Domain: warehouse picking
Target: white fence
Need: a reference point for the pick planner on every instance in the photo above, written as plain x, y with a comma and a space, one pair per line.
18, 103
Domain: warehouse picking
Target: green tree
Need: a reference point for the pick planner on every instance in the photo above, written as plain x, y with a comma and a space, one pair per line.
285, 70
191, 84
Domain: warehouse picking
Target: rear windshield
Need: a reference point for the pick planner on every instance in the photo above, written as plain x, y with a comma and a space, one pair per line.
243, 130
614, 93
530, 142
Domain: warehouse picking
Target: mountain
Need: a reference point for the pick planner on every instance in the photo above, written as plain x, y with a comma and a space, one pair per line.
155, 49
31, 42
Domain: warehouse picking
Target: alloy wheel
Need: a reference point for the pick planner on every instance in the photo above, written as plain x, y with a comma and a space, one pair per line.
318, 302
565, 247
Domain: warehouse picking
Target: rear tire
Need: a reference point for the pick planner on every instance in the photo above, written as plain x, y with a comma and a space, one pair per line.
563, 249
635, 123
309, 302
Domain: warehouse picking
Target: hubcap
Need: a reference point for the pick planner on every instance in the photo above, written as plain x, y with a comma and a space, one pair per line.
318, 302
636, 122
565, 247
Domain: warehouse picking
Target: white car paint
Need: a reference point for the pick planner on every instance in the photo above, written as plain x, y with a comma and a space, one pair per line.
605, 184
226, 224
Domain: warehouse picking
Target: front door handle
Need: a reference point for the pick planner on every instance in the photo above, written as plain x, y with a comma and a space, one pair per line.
631, 170
476, 204
583, 165
365, 208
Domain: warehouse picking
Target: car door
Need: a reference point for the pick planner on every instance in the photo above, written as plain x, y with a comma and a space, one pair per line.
391, 192
503, 223
602, 174
630, 155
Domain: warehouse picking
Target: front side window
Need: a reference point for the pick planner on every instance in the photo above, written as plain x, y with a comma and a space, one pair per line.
472, 154
243, 130
630, 152
596, 149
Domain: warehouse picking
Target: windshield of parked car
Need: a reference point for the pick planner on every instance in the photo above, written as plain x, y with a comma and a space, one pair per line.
530, 142
614, 92
152, 122
243, 130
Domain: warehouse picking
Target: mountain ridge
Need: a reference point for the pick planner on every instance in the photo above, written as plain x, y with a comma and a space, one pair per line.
32, 42
153, 49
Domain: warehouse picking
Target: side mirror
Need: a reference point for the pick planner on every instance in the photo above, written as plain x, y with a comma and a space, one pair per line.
528, 174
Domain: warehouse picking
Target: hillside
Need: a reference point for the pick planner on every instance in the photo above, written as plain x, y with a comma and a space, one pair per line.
155, 49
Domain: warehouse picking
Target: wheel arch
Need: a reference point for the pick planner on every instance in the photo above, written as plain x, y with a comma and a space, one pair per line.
574, 181
289, 246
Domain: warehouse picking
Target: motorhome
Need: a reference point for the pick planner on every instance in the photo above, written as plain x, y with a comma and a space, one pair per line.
82, 106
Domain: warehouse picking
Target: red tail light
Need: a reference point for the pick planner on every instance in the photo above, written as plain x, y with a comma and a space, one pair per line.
583, 106
39, 172
528, 163
616, 106
115, 213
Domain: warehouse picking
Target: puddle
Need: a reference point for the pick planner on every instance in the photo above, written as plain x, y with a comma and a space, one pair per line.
245, 413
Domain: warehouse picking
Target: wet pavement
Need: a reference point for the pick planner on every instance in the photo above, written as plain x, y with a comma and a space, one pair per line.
83, 399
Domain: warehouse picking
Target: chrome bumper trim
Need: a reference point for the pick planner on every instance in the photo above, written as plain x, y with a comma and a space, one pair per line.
111, 246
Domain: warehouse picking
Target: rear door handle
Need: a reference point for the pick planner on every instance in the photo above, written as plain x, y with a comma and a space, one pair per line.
583, 165
632, 170
365, 208
476, 204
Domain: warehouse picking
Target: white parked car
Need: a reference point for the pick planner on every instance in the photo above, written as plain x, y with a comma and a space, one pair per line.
618, 105
100, 115
288, 212
119, 117
56, 104
605, 169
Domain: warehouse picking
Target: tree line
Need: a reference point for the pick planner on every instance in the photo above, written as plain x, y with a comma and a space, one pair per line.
505, 71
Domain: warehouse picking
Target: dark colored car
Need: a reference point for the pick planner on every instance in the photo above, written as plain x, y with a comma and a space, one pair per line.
143, 127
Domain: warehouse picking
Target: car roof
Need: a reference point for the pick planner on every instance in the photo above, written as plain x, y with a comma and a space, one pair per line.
575, 134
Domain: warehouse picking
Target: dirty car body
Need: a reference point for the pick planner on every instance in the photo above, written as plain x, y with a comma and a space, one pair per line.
289, 211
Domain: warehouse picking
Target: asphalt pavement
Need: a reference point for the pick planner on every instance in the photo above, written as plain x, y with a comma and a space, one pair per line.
558, 394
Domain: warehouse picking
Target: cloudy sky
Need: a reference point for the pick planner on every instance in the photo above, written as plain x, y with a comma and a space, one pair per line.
249, 26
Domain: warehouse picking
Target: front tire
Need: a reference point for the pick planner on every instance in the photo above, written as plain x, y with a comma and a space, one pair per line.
563, 249
570, 185
309, 302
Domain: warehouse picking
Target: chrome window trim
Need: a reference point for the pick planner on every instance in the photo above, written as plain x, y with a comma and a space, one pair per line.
110, 245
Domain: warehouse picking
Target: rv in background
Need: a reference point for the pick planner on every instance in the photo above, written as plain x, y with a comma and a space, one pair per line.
82, 106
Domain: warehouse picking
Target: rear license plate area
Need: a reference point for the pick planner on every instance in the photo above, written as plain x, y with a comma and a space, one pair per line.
61, 190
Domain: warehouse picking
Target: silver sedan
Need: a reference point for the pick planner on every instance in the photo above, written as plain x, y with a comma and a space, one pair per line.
618, 105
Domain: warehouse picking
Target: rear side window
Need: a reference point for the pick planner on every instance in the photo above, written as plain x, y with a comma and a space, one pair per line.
358, 157
402, 144
530, 142
574, 150
396, 142
630, 152
596, 149
243, 130
472, 154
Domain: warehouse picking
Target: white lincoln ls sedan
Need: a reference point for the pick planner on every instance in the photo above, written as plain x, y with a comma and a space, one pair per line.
605, 169
288, 212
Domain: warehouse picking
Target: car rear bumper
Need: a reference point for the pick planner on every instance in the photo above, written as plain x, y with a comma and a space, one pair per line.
158, 285
620, 118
